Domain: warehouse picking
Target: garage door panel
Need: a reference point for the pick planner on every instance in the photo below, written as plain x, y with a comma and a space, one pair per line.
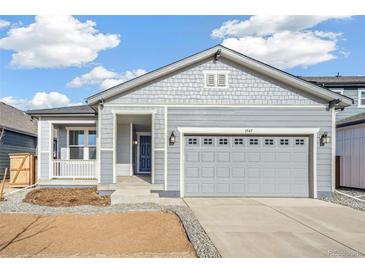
238, 156
238, 172
268, 157
253, 156
192, 156
222, 188
222, 172
246, 166
192, 172
207, 156
223, 156
253, 172
207, 172
207, 188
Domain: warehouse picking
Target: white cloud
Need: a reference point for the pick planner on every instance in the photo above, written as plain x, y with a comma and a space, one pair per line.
56, 41
104, 78
40, 100
4, 24
285, 49
261, 25
282, 41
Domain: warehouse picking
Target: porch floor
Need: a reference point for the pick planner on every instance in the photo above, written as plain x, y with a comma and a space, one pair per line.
134, 180
68, 183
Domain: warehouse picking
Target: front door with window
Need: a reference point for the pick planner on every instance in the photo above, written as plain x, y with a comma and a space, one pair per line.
145, 154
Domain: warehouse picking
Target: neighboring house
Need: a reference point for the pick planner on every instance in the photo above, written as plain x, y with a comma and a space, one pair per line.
18, 133
217, 123
351, 86
350, 127
351, 149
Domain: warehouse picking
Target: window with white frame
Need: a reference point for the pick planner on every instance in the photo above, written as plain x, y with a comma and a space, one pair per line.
362, 98
82, 144
216, 79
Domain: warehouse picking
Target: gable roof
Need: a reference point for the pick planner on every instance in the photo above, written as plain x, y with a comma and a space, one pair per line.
336, 81
74, 110
16, 120
234, 56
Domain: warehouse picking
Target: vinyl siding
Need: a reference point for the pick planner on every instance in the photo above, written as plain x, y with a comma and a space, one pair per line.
351, 146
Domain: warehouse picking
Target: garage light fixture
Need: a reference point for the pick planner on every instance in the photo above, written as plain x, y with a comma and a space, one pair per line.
325, 139
172, 139
135, 142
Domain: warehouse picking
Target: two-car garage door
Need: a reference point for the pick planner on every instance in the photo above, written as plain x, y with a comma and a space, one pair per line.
266, 166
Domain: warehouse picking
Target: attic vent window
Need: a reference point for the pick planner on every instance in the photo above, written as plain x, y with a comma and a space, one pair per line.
216, 79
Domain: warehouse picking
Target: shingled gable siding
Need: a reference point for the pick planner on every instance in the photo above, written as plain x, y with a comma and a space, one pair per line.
187, 87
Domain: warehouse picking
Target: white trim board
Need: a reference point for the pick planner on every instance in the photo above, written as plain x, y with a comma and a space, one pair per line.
313, 132
209, 106
359, 91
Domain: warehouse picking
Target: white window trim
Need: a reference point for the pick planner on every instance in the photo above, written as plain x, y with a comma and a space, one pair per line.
215, 72
337, 90
85, 145
359, 98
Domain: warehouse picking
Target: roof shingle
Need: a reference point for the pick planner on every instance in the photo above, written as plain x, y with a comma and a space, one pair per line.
83, 109
17, 120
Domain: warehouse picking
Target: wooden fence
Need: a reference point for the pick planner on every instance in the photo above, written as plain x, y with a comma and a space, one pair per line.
22, 169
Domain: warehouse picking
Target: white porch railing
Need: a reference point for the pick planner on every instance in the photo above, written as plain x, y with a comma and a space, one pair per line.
74, 169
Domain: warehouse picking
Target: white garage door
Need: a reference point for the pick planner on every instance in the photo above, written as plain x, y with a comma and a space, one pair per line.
265, 166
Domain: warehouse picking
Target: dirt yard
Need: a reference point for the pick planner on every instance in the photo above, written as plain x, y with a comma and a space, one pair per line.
120, 234
66, 197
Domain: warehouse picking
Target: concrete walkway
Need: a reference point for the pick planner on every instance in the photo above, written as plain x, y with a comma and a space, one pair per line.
281, 227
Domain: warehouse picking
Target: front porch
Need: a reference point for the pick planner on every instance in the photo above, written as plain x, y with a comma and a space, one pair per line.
72, 154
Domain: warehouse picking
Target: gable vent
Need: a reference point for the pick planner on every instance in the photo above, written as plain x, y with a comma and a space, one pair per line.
221, 80
210, 78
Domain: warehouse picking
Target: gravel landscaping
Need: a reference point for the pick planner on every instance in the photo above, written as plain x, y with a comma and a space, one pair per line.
202, 244
341, 199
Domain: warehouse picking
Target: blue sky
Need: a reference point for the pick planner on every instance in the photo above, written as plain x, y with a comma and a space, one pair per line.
135, 44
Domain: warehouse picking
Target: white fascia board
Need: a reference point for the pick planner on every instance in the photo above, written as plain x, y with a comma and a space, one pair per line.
73, 121
247, 131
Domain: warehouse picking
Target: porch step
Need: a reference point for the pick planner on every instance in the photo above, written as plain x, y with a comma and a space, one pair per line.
121, 196
133, 191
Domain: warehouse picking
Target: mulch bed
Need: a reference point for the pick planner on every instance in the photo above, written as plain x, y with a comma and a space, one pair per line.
66, 197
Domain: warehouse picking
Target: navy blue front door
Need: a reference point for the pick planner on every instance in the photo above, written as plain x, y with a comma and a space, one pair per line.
145, 154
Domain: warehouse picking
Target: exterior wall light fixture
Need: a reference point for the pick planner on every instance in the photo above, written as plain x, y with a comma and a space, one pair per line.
172, 139
325, 139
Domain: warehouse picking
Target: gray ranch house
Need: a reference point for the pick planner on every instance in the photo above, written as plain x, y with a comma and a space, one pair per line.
217, 123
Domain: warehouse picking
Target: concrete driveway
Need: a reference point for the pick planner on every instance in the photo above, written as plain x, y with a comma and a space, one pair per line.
281, 227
